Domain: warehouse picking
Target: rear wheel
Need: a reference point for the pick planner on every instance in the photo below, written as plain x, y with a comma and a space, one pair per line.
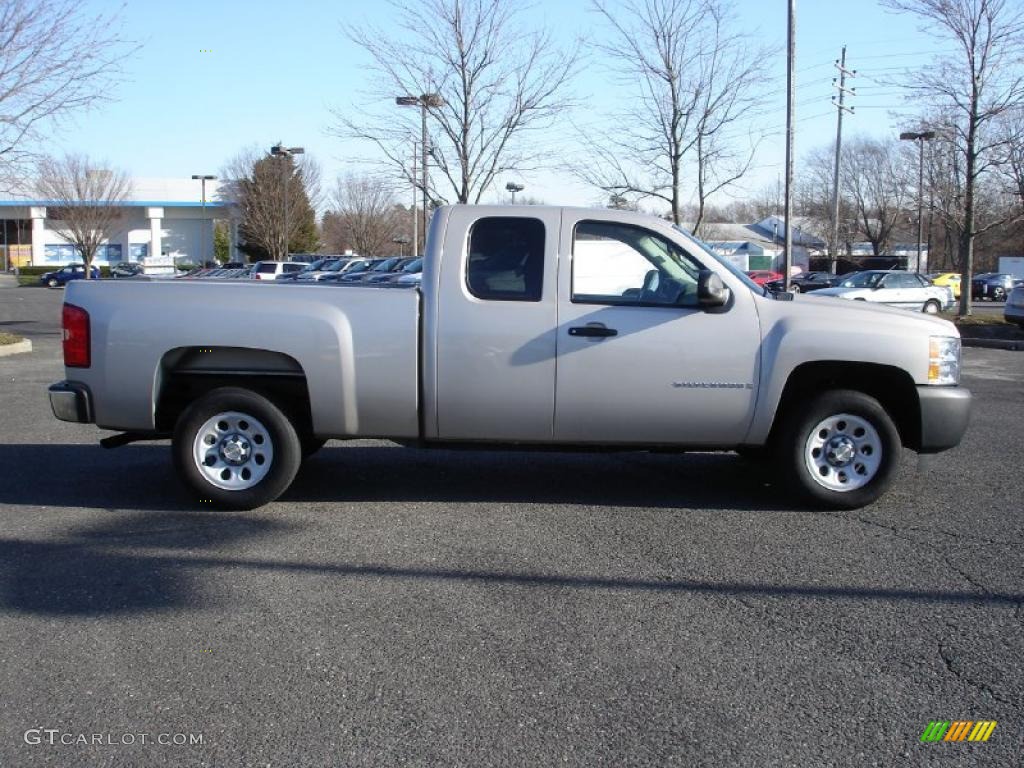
841, 451
931, 307
236, 449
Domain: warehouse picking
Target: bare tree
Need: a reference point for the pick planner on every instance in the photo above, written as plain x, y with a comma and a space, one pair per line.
54, 61
695, 79
878, 182
980, 81
277, 197
86, 198
497, 82
363, 215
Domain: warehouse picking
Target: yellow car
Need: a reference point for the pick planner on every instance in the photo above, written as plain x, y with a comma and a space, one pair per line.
949, 280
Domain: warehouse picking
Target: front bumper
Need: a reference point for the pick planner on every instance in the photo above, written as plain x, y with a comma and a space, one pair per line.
71, 401
945, 412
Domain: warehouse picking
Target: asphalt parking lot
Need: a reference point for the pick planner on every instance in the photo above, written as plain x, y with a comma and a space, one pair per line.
432, 608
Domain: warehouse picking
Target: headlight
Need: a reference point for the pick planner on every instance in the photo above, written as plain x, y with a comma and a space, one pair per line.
943, 360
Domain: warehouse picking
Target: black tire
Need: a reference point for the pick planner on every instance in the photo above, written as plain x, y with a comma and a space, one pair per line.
284, 442
931, 307
794, 438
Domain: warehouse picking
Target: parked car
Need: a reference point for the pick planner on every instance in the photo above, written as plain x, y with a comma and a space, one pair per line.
373, 268
949, 280
306, 268
805, 282
126, 269
67, 273
1013, 312
378, 275
906, 290
991, 285
410, 274
516, 338
268, 270
330, 269
762, 276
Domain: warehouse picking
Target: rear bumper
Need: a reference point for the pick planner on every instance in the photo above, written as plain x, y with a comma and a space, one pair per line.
71, 401
945, 412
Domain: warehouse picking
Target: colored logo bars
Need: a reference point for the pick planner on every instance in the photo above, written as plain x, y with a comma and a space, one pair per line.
958, 730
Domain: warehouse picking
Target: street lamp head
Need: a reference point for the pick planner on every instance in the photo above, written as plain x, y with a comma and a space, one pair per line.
914, 135
203, 177
426, 100
279, 150
513, 187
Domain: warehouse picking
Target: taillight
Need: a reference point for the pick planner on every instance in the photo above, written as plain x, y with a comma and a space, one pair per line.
75, 321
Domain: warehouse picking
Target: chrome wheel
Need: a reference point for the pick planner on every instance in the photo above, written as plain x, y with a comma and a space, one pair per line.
931, 308
843, 452
233, 451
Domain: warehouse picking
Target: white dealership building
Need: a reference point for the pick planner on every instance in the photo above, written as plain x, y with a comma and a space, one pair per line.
163, 221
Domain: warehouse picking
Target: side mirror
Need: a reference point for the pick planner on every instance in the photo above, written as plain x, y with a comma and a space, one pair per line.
711, 291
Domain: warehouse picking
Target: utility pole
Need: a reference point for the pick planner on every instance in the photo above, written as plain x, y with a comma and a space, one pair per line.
415, 218
790, 99
838, 102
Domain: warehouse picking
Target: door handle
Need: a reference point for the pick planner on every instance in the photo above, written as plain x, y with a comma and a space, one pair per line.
592, 331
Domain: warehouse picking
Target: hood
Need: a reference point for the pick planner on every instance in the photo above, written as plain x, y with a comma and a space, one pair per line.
846, 293
867, 314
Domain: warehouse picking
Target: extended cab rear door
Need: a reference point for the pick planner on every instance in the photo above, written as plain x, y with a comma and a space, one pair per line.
639, 362
495, 325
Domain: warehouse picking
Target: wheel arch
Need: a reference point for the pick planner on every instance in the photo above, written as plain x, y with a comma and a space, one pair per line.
893, 387
187, 373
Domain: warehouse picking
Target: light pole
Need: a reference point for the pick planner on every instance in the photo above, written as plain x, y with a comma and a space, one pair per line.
203, 178
278, 150
425, 102
401, 242
513, 188
920, 137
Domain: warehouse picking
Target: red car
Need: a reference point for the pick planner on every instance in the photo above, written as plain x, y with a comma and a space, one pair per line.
762, 276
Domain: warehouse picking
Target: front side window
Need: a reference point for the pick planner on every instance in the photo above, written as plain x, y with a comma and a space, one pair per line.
506, 259
624, 264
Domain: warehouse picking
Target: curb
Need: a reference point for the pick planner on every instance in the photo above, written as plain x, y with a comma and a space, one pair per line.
1013, 346
16, 349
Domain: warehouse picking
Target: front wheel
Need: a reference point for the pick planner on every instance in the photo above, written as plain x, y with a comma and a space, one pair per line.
841, 451
794, 288
931, 307
236, 449
53, 282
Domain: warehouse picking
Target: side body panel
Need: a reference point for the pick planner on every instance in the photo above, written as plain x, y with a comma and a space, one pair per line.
670, 375
492, 362
357, 347
816, 328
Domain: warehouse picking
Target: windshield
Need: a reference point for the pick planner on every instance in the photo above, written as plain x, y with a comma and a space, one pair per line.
863, 280
334, 266
386, 265
733, 269
413, 266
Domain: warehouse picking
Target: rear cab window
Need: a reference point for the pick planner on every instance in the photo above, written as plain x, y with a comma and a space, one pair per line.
506, 259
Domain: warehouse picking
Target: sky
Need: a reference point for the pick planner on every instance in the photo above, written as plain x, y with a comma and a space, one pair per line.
211, 78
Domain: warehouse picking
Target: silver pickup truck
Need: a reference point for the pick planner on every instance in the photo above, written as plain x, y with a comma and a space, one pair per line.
533, 327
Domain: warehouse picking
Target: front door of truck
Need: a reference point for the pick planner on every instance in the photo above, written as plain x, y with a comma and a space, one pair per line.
638, 360
495, 326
